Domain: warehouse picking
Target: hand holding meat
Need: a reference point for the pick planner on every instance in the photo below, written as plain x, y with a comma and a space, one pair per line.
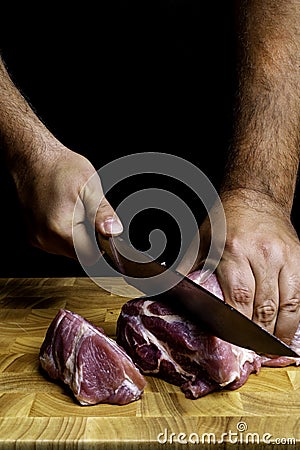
259, 270
166, 344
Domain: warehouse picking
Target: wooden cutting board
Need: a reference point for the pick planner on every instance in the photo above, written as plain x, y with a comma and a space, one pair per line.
37, 413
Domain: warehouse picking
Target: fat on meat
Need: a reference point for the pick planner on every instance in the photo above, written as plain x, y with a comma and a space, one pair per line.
167, 345
94, 366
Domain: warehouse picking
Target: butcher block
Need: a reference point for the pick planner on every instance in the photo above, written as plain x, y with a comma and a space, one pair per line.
38, 413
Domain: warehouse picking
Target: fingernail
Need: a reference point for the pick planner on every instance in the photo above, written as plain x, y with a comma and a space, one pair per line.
112, 226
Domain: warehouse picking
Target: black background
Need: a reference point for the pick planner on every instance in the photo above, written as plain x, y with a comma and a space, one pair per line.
125, 77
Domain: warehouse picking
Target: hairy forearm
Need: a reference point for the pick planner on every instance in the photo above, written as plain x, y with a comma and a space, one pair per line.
264, 154
23, 136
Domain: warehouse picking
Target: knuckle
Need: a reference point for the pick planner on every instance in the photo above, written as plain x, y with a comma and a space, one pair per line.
58, 229
39, 241
266, 313
104, 206
53, 227
36, 238
233, 246
291, 305
266, 249
242, 294
274, 250
35, 241
271, 249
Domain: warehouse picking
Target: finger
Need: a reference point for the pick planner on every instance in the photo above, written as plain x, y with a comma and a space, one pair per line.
85, 245
266, 302
86, 250
57, 245
53, 235
289, 307
238, 285
99, 211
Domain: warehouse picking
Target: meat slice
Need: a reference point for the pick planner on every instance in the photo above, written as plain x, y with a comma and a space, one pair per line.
167, 345
164, 344
94, 366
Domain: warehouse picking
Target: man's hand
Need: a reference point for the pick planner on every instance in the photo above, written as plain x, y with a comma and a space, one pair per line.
259, 269
49, 188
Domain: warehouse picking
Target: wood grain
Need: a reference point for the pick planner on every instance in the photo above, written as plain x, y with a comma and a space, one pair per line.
36, 412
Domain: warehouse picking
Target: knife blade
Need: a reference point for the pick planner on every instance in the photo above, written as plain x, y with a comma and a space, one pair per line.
190, 299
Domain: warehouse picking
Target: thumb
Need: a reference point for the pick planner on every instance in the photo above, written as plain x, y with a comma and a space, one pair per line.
98, 210
107, 222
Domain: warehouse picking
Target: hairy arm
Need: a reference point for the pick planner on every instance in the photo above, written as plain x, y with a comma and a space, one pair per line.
50, 178
260, 268
265, 149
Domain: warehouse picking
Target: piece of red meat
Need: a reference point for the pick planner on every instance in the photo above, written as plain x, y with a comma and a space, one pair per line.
94, 366
164, 344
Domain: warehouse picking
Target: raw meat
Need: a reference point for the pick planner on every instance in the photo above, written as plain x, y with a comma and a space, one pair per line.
96, 369
171, 347
175, 349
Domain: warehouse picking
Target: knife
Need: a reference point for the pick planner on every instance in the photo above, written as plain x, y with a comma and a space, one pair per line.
188, 298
